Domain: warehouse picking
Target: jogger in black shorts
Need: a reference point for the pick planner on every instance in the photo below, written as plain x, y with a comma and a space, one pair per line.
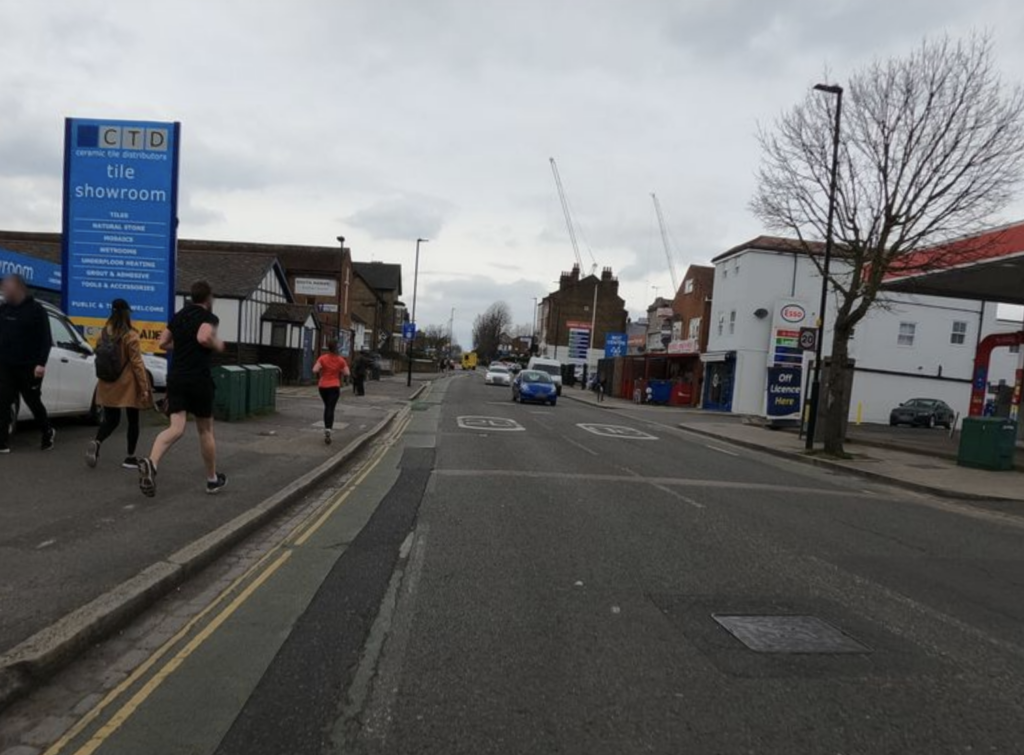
192, 338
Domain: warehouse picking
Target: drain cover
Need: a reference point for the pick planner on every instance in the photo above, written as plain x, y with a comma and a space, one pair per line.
789, 634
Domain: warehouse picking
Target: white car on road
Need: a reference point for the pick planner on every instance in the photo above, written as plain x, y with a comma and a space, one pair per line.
498, 374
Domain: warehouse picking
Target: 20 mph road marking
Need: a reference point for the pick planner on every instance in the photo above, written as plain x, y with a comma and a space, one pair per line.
491, 424
619, 432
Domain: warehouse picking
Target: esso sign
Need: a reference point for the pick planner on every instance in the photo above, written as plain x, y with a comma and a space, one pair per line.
793, 313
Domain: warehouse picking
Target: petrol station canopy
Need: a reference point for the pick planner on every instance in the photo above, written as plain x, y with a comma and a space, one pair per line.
984, 267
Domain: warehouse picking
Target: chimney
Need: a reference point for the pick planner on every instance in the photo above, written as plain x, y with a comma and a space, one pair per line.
606, 274
564, 280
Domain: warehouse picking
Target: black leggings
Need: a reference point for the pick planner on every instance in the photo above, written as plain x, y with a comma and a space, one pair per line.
330, 398
112, 418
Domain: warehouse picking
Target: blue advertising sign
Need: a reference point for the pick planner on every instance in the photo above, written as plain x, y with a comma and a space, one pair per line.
616, 345
120, 222
409, 331
785, 386
37, 273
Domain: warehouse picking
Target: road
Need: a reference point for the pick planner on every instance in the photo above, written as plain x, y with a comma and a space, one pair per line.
514, 579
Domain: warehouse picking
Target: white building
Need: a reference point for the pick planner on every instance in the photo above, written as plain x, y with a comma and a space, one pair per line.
913, 346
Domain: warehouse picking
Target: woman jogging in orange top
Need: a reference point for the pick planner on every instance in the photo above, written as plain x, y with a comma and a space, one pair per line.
330, 367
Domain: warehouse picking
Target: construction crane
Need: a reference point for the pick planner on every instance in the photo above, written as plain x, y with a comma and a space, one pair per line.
568, 218
664, 241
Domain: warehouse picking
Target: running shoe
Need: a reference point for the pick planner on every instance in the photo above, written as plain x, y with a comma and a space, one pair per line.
130, 462
92, 454
147, 478
212, 488
48, 438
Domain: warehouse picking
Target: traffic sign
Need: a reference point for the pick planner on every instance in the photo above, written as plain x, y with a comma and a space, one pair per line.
616, 345
409, 331
808, 339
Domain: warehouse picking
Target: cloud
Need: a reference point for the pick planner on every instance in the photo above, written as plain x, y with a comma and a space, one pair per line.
403, 217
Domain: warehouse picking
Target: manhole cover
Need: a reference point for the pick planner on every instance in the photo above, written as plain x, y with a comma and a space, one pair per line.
789, 634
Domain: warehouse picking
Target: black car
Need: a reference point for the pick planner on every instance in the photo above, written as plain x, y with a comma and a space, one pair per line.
923, 412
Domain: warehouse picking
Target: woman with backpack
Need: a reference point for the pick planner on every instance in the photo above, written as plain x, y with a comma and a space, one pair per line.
122, 384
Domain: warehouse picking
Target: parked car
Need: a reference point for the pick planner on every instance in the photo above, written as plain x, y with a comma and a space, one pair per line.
69, 388
498, 374
156, 369
923, 412
551, 366
534, 385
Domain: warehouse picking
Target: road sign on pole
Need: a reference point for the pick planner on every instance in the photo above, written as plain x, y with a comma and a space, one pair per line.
808, 338
409, 331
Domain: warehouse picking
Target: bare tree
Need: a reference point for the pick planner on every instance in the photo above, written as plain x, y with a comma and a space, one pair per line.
932, 147
488, 328
432, 339
522, 330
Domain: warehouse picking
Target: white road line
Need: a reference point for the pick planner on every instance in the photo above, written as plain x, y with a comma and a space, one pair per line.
590, 451
680, 496
720, 450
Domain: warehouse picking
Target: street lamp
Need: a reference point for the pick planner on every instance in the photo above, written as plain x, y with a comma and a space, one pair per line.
341, 276
812, 422
415, 284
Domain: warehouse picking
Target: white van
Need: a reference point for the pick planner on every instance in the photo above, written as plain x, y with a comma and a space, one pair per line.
551, 366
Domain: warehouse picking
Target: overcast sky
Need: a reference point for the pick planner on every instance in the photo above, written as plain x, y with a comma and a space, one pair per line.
383, 121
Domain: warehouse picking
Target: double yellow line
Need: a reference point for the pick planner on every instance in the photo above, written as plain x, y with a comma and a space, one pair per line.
276, 557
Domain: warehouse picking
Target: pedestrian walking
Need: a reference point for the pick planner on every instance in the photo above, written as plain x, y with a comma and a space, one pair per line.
330, 368
359, 375
25, 343
122, 382
600, 390
191, 337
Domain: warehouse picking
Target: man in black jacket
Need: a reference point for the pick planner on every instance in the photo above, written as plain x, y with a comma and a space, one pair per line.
24, 348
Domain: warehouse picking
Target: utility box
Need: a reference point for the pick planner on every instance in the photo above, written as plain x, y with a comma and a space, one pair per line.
229, 400
271, 380
253, 389
987, 443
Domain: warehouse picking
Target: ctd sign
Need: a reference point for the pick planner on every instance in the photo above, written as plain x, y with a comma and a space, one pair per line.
120, 222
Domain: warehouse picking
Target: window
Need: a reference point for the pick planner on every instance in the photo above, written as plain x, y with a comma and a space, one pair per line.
64, 335
725, 272
907, 332
721, 324
688, 286
279, 334
736, 268
1015, 349
732, 322
694, 327
959, 334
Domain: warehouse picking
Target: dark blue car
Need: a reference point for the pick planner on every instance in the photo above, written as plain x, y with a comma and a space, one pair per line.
536, 386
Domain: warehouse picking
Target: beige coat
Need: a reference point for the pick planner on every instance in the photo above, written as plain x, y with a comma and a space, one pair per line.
131, 389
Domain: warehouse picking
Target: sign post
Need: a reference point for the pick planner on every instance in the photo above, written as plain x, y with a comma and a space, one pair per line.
579, 341
615, 345
120, 222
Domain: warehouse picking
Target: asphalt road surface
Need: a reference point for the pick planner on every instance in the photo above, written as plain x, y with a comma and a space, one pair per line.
525, 579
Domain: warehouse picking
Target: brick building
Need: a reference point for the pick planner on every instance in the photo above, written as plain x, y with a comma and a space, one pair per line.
376, 298
573, 305
691, 322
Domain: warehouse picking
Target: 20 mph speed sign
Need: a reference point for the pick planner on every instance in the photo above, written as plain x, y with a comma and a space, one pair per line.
808, 338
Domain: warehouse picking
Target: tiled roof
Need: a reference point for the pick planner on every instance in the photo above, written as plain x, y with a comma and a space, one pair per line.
382, 276
293, 313
775, 244
230, 275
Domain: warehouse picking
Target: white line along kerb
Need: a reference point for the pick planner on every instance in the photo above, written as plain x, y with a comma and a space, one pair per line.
616, 431
490, 424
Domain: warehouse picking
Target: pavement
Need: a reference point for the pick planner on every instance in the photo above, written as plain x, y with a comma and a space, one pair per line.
69, 534
918, 459
522, 579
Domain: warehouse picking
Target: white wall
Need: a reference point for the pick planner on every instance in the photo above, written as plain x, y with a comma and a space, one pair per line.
226, 310
933, 366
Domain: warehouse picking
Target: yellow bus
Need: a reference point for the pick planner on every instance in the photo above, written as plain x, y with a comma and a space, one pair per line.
469, 360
